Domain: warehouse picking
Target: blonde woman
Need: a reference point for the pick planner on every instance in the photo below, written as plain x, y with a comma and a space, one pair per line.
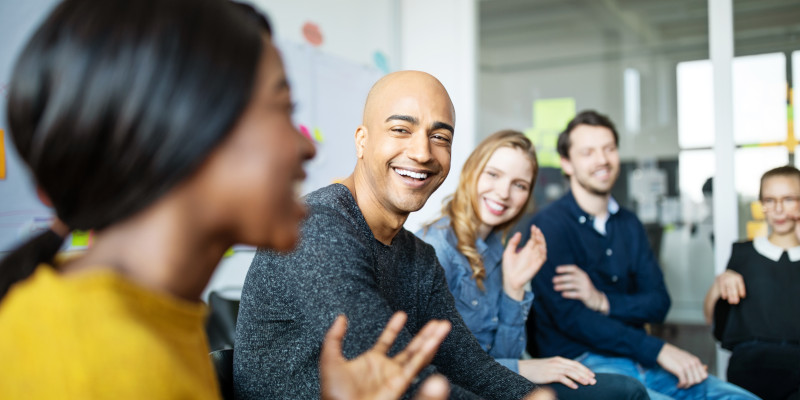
487, 279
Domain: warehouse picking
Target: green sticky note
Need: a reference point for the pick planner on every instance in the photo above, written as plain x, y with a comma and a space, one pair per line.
228, 253
80, 238
553, 114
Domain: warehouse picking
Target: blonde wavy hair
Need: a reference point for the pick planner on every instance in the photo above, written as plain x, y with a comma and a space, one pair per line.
462, 206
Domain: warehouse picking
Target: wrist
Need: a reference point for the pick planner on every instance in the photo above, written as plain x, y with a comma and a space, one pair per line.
516, 293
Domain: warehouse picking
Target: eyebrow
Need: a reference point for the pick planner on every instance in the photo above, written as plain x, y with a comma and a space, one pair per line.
442, 125
406, 118
415, 121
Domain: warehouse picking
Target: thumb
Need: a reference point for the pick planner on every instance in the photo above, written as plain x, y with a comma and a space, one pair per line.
332, 344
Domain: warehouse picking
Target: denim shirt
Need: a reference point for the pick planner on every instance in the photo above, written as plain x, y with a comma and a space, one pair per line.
496, 320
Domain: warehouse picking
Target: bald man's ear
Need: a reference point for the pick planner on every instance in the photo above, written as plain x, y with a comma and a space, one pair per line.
361, 141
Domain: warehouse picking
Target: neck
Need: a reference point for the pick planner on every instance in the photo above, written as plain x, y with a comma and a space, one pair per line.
593, 203
383, 223
161, 249
484, 230
784, 241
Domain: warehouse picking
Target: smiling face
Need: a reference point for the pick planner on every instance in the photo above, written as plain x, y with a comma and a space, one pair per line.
253, 176
780, 195
593, 164
404, 144
503, 187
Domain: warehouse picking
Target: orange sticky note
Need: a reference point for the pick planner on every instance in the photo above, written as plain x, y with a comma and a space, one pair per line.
2, 155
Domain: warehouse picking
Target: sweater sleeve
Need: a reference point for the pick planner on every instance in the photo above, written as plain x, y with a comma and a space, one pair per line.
461, 358
574, 320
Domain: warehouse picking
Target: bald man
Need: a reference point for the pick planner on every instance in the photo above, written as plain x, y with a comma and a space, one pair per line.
356, 259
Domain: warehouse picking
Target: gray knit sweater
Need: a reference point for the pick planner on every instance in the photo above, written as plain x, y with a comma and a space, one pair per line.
290, 300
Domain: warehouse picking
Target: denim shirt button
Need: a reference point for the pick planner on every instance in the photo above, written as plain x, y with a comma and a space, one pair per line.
474, 302
609, 252
494, 319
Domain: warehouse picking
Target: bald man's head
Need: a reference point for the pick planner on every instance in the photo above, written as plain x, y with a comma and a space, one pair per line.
404, 142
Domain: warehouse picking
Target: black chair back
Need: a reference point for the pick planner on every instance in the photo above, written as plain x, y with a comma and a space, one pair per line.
223, 364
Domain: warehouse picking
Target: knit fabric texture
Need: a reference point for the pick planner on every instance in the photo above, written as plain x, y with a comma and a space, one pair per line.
290, 300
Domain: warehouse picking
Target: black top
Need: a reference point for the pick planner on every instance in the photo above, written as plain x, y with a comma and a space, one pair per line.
290, 300
771, 309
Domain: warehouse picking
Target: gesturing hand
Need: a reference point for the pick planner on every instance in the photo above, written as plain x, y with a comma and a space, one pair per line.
374, 375
556, 369
574, 283
685, 366
730, 286
519, 267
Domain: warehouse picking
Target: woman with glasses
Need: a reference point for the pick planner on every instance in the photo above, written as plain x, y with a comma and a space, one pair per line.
757, 313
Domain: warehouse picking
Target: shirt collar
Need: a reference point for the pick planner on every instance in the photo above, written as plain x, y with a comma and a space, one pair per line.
767, 249
599, 225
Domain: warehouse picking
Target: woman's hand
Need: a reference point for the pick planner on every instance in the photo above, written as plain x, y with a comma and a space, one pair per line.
519, 267
374, 375
556, 369
730, 286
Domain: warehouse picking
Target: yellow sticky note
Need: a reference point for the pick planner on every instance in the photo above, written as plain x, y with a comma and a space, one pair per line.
228, 253
318, 135
80, 238
2, 155
756, 210
756, 228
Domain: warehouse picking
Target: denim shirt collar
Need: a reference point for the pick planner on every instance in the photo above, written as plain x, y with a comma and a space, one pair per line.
583, 217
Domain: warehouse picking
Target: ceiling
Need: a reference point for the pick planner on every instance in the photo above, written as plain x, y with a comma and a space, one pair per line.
522, 35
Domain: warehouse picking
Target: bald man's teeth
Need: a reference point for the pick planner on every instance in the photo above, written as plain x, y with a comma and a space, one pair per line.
411, 174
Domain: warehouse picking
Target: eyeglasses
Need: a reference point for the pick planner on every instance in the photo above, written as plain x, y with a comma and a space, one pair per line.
769, 203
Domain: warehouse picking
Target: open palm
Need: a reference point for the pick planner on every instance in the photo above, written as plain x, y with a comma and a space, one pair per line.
373, 374
520, 266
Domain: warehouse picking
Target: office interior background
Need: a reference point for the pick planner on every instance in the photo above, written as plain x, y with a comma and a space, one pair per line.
698, 89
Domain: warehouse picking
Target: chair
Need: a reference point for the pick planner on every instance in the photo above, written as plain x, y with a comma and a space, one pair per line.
221, 323
223, 365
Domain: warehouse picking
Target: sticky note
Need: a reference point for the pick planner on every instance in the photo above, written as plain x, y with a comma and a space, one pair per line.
228, 253
553, 114
2, 155
318, 135
305, 132
80, 238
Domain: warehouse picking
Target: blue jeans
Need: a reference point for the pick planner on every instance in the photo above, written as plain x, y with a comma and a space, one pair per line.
662, 385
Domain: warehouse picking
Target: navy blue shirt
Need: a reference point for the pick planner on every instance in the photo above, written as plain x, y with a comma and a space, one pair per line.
620, 263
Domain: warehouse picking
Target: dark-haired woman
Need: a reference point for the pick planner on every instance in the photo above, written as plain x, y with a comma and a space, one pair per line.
164, 125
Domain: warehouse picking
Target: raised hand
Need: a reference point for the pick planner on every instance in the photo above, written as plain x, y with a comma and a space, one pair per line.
556, 369
684, 365
373, 375
520, 266
574, 283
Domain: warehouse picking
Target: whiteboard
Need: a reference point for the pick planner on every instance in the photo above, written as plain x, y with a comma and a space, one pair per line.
328, 91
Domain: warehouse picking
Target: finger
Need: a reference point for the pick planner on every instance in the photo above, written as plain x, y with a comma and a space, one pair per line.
423, 347
332, 344
740, 287
566, 269
580, 372
513, 243
571, 294
389, 334
434, 388
564, 380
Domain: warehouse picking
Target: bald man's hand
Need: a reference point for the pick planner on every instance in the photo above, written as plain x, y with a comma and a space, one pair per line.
374, 375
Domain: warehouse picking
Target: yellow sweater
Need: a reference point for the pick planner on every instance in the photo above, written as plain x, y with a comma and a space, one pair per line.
98, 336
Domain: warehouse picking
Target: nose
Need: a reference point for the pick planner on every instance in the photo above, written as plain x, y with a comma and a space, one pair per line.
503, 189
419, 148
305, 147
